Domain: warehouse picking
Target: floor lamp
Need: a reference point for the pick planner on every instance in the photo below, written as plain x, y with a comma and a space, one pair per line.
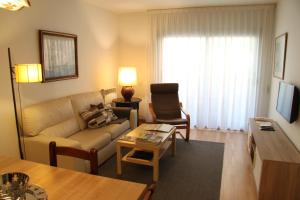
22, 73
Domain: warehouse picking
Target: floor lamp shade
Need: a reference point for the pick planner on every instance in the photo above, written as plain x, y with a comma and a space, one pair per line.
28, 73
14, 5
127, 78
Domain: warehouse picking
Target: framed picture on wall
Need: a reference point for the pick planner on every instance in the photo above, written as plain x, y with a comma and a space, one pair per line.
280, 55
58, 54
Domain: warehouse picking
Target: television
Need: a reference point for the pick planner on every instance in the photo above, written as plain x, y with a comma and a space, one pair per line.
288, 101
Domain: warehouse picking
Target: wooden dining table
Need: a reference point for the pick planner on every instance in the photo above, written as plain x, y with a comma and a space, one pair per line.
63, 184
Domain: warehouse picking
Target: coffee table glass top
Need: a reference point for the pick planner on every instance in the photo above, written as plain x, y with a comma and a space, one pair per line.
143, 134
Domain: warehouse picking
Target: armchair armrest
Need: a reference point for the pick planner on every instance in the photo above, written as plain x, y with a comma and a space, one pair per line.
152, 112
187, 116
185, 113
37, 150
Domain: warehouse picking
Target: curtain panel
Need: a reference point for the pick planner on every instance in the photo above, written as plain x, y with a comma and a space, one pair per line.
230, 23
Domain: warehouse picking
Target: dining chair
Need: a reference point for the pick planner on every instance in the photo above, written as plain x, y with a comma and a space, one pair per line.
77, 153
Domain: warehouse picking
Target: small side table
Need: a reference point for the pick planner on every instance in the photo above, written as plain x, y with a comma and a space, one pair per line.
134, 103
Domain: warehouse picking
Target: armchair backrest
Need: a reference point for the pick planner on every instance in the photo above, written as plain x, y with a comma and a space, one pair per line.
165, 100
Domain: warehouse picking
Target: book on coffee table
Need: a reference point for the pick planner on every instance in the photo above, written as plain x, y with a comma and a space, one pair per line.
149, 137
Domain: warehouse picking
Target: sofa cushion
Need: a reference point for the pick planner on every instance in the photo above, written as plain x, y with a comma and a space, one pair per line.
117, 129
82, 102
92, 138
43, 115
63, 129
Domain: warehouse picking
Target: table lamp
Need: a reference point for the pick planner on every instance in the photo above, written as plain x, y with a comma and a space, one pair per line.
127, 79
14, 5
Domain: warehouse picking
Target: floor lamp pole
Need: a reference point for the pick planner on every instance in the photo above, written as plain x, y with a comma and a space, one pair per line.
15, 106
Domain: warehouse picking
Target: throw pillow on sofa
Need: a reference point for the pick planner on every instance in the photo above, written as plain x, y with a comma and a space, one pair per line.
92, 113
98, 116
106, 117
99, 106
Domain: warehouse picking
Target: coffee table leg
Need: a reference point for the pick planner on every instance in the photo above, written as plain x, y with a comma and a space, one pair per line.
155, 165
119, 160
174, 143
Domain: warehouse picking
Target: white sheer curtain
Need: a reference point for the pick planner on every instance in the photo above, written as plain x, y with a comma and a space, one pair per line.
221, 58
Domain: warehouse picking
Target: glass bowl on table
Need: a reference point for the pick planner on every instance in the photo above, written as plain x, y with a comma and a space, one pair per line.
13, 185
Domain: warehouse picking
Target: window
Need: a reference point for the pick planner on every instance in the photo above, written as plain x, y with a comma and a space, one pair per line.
217, 78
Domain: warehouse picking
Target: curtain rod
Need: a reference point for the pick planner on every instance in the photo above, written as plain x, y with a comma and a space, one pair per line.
216, 6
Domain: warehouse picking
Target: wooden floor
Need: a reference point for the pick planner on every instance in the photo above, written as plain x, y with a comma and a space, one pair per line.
237, 178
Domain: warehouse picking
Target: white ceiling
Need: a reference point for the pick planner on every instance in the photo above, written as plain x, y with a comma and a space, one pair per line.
126, 6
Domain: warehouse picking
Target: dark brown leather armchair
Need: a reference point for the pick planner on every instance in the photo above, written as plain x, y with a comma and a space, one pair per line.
166, 108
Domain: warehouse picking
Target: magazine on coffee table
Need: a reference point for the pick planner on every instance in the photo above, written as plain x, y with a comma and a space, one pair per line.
159, 127
145, 137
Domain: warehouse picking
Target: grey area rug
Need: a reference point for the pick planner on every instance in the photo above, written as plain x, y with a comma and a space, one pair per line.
194, 173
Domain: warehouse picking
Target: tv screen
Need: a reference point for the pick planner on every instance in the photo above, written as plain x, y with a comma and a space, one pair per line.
287, 102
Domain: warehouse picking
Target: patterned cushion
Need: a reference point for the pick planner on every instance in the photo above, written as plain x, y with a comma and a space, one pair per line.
92, 113
82, 102
103, 119
98, 116
99, 106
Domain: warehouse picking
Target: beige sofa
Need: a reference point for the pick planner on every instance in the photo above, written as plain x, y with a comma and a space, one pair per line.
59, 120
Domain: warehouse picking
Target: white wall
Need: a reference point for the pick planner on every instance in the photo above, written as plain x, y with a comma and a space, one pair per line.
8, 132
97, 32
134, 39
287, 20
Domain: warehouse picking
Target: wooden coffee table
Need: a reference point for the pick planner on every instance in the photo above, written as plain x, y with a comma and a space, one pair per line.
158, 150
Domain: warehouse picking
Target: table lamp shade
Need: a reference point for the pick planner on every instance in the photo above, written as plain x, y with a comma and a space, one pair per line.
28, 73
14, 5
127, 76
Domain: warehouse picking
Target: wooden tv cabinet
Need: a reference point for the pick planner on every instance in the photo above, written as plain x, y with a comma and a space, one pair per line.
276, 162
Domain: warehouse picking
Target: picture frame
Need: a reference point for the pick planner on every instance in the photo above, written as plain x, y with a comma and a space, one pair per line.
58, 55
280, 56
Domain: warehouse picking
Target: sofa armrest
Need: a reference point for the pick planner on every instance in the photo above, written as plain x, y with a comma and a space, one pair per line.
133, 119
122, 112
37, 150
